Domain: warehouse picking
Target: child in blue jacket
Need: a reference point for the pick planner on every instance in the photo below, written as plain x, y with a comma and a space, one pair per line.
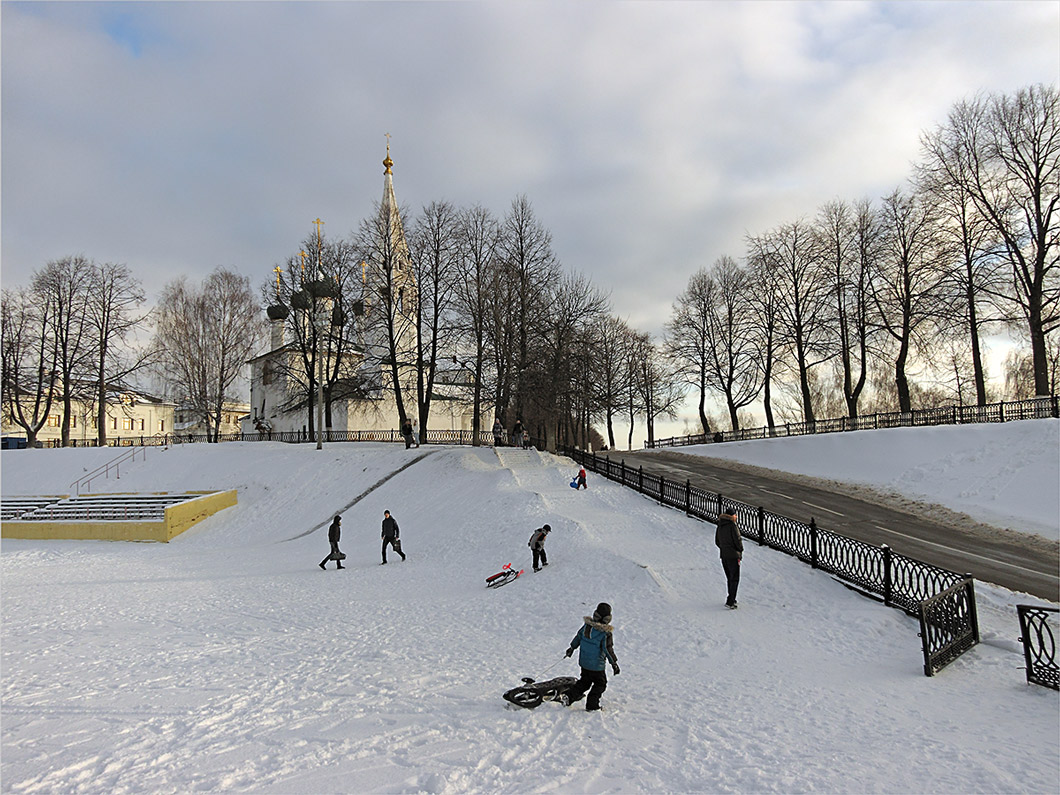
596, 647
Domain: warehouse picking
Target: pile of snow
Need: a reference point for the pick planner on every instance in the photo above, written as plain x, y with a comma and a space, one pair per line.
1006, 475
227, 660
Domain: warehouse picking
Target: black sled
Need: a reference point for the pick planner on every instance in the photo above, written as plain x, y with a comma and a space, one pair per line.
532, 693
503, 577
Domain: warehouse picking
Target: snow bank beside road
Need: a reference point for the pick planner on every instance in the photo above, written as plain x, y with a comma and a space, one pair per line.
1006, 475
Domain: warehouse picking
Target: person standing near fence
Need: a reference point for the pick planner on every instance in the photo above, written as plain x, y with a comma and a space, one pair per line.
498, 432
517, 433
729, 541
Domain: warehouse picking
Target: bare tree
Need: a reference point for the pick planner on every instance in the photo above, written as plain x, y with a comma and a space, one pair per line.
906, 285
975, 288
66, 285
435, 255
478, 235
29, 353
112, 313
203, 337
765, 303
660, 390
528, 270
848, 242
613, 336
390, 301
1008, 147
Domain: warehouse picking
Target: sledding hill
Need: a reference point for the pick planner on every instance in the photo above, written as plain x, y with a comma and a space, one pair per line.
226, 660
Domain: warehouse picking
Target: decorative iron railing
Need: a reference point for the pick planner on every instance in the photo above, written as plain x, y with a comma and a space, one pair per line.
949, 625
1039, 645
486, 438
1035, 408
900, 581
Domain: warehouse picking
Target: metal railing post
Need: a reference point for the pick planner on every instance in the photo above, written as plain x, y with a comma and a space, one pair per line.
887, 593
688, 498
813, 543
761, 525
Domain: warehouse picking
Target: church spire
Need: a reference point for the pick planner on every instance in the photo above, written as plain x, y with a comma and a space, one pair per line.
388, 162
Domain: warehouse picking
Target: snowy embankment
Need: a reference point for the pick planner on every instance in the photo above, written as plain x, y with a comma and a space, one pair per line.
1005, 475
226, 660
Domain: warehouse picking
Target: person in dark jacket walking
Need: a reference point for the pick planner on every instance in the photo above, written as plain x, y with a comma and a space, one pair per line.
596, 647
391, 535
406, 432
537, 546
729, 541
517, 433
498, 433
333, 538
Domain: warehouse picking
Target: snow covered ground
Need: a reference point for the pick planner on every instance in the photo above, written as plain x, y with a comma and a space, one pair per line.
227, 661
1006, 475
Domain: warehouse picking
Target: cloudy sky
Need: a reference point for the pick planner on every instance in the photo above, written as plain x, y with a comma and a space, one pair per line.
650, 137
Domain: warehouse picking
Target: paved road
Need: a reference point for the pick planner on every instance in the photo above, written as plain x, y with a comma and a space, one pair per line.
1002, 559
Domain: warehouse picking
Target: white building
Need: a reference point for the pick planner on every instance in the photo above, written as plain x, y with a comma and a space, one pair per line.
362, 382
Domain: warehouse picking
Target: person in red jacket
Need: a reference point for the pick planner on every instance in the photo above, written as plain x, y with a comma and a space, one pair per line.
581, 479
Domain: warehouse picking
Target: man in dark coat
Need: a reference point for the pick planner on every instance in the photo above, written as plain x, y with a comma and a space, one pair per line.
406, 432
390, 535
728, 539
333, 537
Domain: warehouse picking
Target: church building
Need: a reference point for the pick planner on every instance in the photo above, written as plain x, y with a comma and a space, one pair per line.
348, 333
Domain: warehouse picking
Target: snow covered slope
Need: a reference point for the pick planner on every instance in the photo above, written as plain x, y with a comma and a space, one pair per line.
226, 660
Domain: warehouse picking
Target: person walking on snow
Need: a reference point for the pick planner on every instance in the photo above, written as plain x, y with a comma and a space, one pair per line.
517, 433
537, 546
729, 541
390, 535
498, 433
333, 538
406, 432
596, 647
581, 479
416, 433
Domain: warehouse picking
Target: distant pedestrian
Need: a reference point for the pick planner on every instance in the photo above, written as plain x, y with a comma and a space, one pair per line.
537, 546
406, 432
391, 535
581, 479
498, 433
334, 532
596, 648
729, 541
517, 433
416, 433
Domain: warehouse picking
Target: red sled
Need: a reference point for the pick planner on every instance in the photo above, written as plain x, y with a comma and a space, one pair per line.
503, 577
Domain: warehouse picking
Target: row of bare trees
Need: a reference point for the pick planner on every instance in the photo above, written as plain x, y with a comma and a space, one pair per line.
66, 339
823, 308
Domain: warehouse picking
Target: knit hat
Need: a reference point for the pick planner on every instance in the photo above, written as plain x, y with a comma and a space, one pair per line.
547, 528
602, 613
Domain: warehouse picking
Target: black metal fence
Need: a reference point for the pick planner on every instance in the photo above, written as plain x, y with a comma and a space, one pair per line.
898, 580
486, 438
1039, 645
1035, 408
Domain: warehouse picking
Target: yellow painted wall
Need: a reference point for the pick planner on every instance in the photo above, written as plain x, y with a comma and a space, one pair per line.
178, 518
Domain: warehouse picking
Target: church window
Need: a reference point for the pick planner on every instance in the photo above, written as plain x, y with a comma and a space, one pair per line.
53, 420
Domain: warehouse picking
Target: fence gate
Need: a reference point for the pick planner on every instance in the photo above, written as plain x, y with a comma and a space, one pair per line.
1039, 645
949, 625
